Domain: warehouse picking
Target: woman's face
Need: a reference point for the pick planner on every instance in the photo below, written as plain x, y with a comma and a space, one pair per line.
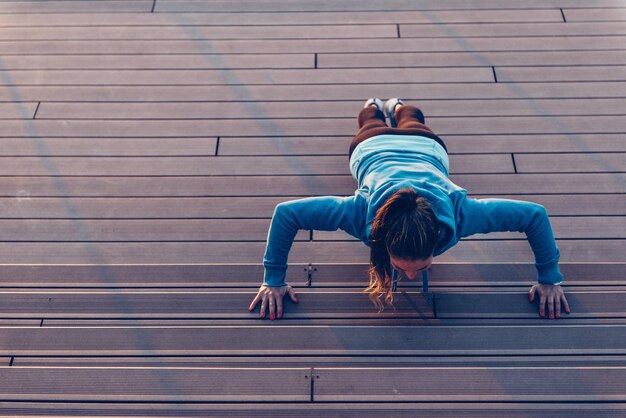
410, 268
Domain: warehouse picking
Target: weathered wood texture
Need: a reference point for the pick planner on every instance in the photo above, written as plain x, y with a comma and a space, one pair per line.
145, 144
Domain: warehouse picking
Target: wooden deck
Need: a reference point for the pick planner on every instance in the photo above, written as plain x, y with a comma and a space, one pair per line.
144, 145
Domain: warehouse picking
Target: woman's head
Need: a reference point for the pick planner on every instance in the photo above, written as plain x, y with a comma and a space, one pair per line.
404, 233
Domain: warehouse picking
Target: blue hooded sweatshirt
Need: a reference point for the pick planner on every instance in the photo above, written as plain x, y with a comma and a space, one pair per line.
386, 163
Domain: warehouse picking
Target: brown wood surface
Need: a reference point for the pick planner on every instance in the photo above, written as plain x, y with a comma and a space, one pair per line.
532, 29
69, 6
517, 58
485, 305
478, 184
456, 143
571, 163
253, 207
262, 339
471, 384
415, 89
175, 28
315, 409
139, 230
227, 276
320, 109
219, 166
157, 384
319, 361
314, 304
551, 74
74, 147
287, 127
594, 15
144, 146
489, 251
258, 45
204, 305
208, 76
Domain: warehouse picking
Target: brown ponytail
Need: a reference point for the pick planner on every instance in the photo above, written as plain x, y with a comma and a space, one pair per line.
404, 227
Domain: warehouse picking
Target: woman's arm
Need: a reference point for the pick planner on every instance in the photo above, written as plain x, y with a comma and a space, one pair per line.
492, 215
327, 213
497, 215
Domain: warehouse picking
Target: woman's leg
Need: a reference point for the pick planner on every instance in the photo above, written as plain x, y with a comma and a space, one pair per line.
410, 121
371, 121
411, 118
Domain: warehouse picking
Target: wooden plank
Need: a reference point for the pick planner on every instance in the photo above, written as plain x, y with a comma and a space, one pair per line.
530, 74
155, 62
288, 322
142, 208
457, 143
246, 207
26, 187
443, 16
509, 305
139, 230
135, 275
321, 361
316, 409
75, 7
203, 305
542, 183
219, 166
529, 143
319, 109
226, 276
288, 127
261, 46
180, 30
594, 15
314, 305
472, 383
416, 89
571, 163
18, 323
488, 251
521, 30
288, 186
106, 147
351, 5
244, 76
157, 384
301, 145
362, 9
571, 227
262, 340
516, 58
477, 274
17, 110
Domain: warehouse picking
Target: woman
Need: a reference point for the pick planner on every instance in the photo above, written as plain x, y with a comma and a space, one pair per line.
407, 211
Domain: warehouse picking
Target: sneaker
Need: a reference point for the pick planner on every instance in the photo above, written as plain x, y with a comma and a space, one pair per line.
390, 108
374, 101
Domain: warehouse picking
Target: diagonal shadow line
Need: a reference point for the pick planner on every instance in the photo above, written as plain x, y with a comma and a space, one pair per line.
104, 273
519, 91
240, 91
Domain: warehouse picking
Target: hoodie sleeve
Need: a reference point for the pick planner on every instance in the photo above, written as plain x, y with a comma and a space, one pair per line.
497, 215
325, 213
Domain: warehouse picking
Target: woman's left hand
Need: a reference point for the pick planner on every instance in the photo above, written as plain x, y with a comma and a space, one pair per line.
551, 295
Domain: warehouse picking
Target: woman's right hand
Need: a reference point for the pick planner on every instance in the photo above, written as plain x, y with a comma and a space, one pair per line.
272, 297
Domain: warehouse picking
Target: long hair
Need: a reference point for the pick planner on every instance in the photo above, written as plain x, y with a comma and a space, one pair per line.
404, 227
